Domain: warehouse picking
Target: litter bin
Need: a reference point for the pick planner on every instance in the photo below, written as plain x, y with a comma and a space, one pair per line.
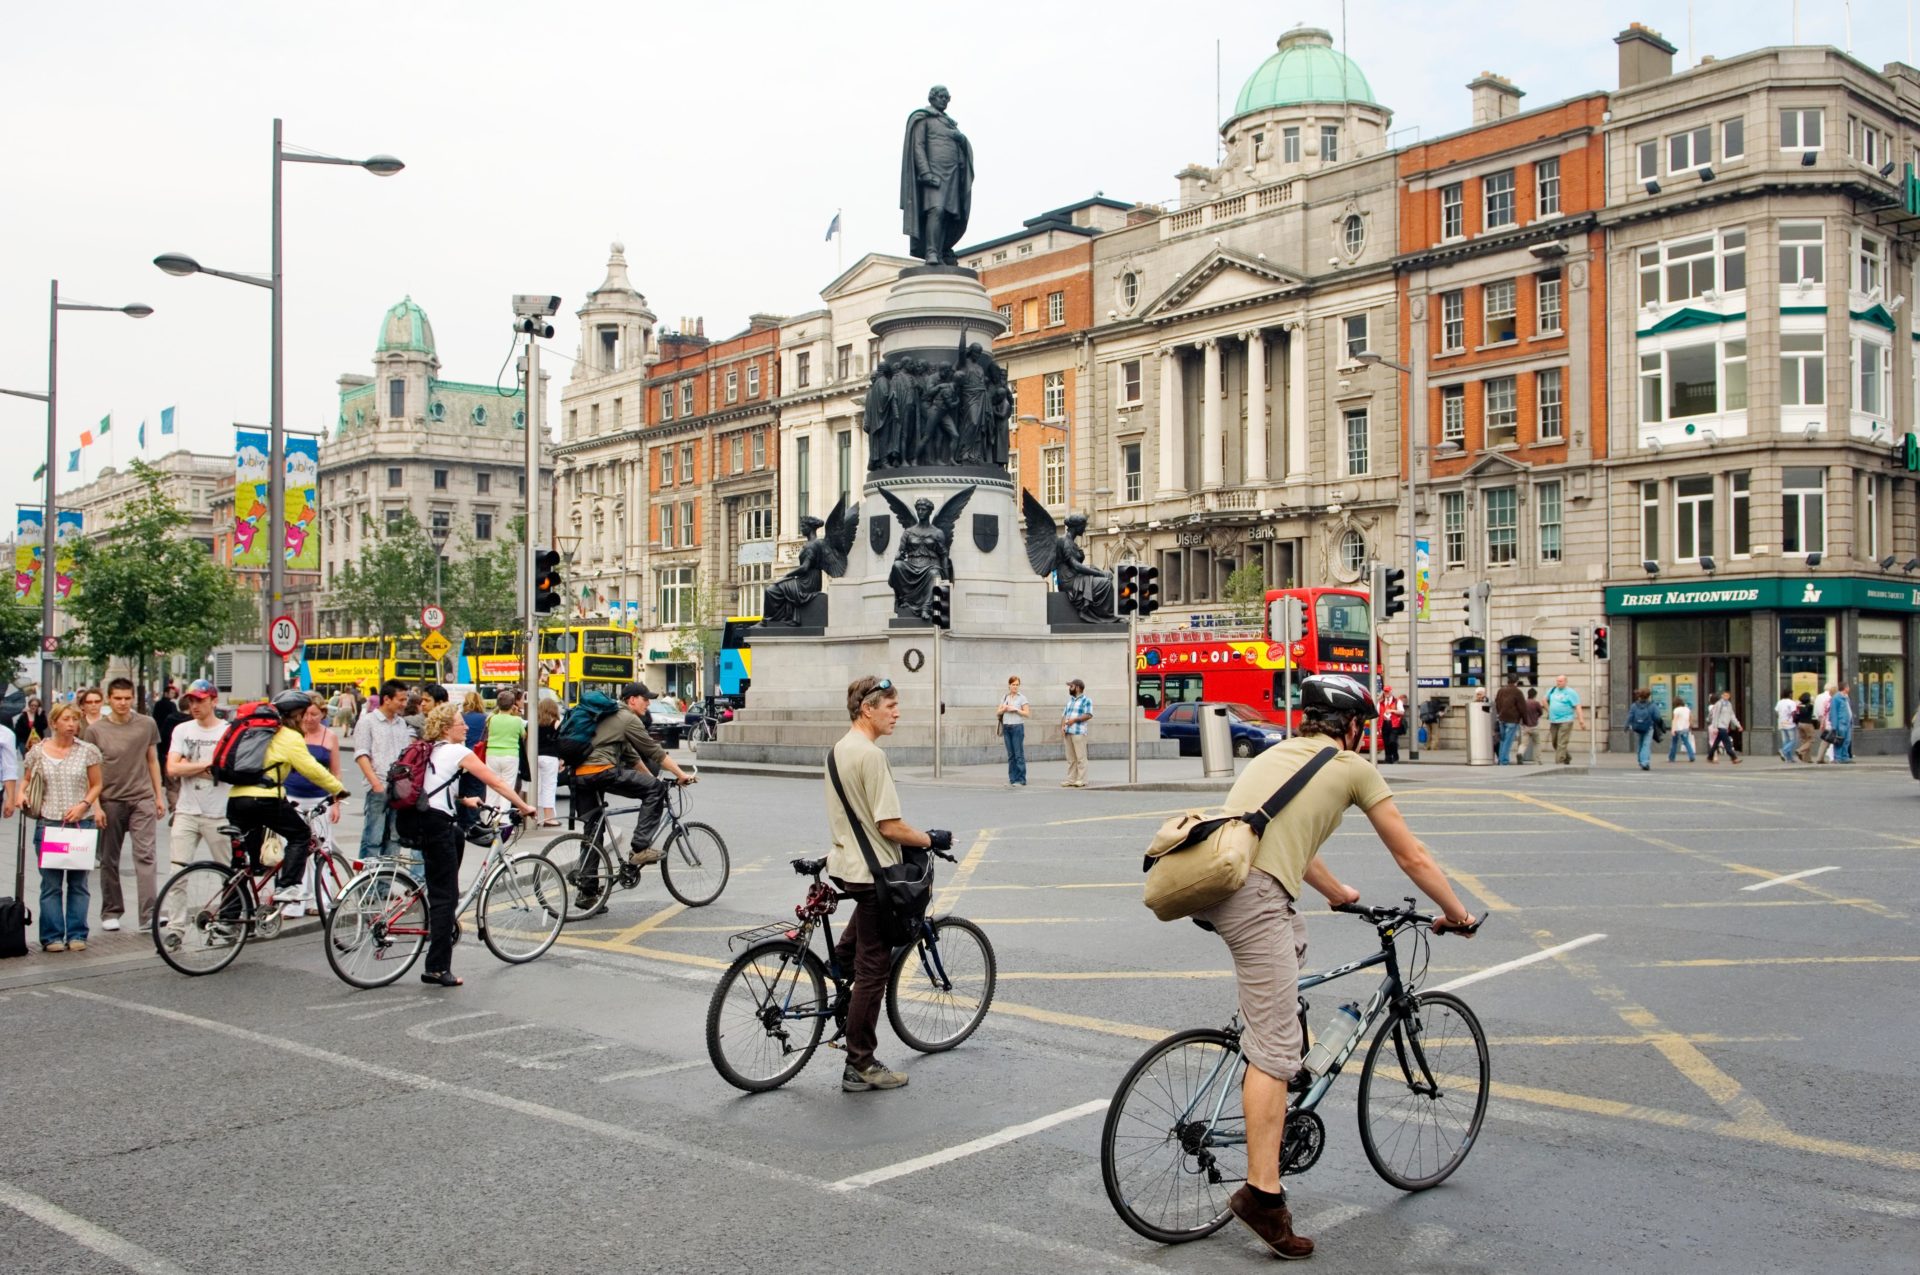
1480, 733
1216, 742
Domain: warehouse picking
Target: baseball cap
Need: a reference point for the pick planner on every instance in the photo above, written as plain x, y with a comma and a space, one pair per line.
201, 688
632, 689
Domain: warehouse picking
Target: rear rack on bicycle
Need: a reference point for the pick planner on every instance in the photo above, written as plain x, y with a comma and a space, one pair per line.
772, 930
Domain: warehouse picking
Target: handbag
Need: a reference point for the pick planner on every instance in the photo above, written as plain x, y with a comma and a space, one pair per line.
1196, 861
67, 849
35, 795
904, 889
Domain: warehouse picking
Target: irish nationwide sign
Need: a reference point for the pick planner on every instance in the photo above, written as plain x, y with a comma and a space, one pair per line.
1766, 593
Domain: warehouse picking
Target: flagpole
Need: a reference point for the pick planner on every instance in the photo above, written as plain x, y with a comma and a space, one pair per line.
840, 240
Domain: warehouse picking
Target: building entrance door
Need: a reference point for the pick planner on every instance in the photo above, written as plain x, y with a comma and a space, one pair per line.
1730, 673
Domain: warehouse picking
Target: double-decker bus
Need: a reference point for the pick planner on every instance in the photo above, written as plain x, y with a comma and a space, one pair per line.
1248, 666
736, 656
574, 659
333, 664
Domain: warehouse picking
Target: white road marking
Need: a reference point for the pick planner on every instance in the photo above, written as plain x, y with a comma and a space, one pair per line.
426, 1032
85, 1233
639, 1072
1004, 1136
409, 1006
544, 1062
1491, 971
1791, 876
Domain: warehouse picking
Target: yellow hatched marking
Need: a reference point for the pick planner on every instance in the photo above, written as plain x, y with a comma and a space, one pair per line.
652, 923
944, 900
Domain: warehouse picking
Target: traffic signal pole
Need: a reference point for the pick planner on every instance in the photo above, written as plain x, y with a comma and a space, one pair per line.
1593, 696
1377, 588
1133, 700
530, 668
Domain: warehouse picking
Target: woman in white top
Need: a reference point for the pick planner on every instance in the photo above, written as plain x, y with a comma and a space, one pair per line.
70, 768
1682, 730
437, 832
1014, 711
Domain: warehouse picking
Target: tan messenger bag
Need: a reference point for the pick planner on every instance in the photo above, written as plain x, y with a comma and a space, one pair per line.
1198, 860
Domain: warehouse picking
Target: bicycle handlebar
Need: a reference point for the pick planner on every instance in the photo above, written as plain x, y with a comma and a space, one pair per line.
1382, 916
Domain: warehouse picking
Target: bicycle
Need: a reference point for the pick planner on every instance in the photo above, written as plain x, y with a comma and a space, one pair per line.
768, 1013
380, 926
1174, 1143
695, 865
207, 911
329, 869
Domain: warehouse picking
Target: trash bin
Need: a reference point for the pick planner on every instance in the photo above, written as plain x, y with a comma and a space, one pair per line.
1216, 742
1480, 733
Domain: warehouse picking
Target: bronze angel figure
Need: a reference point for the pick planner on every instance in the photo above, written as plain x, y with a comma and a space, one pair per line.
1058, 554
826, 556
926, 551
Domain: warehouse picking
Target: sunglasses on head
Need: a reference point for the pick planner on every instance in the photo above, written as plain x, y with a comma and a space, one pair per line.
880, 687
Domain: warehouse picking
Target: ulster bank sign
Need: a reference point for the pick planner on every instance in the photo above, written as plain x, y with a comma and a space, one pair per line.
1771, 593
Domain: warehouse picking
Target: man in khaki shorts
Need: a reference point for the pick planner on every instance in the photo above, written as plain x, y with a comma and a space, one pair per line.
1268, 938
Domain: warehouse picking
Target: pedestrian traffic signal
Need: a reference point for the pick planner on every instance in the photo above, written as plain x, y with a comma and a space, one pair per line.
546, 581
1391, 588
1149, 578
1126, 589
1599, 641
940, 606
1476, 606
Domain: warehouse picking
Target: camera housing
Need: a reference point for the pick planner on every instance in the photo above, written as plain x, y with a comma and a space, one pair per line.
528, 306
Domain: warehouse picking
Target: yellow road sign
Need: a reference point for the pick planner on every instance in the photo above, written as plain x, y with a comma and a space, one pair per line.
436, 646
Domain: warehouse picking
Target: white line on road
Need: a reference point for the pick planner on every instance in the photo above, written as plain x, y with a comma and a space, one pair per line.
1004, 1136
639, 1072
1479, 976
85, 1233
422, 1003
1791, 876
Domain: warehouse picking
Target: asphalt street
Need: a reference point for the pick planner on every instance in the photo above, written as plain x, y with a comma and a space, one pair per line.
1715, 1080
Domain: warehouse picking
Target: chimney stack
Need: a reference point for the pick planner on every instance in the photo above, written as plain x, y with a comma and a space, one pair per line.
1494, 98
1645, 55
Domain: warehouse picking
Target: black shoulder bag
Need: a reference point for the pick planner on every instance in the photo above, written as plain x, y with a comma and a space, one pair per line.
903, 890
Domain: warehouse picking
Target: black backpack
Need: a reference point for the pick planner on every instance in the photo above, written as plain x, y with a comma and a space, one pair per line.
574, 740
15, 917
240, 757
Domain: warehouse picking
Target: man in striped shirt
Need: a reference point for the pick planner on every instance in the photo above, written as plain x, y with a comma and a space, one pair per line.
1073, 730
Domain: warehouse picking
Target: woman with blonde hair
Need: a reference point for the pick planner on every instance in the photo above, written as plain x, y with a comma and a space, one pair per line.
549, 777
70, 768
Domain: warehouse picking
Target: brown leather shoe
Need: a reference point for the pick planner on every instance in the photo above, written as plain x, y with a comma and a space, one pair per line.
1274, 1226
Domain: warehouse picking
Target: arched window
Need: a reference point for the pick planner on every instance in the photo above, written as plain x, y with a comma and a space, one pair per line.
1520, 657
1130, 289
1353, 233
1470, 661
1353, 552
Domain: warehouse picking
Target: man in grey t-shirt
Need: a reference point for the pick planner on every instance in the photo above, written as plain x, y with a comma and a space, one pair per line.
133, 796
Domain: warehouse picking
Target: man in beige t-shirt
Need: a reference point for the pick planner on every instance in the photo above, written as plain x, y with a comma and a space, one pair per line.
866, 778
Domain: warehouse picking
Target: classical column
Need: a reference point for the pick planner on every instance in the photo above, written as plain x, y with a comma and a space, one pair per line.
1297, 401
1256, 450
1213, 469
826, 470
1173, 451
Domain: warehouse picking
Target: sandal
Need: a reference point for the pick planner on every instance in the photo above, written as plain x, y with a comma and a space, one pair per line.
443, 979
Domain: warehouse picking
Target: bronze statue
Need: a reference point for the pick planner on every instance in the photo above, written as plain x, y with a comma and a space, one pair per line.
926, 551
784, 598
882, 427
936, 181
919, 413
1089, 589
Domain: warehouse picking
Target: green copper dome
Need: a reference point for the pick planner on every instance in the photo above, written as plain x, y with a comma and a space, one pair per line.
1307, 68
405, 327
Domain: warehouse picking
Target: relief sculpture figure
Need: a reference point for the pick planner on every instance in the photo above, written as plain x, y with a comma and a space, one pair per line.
819, 558
926, 551
1058, 554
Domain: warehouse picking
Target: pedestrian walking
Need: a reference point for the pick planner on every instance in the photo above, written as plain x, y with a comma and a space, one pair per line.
70, 767
1721, 723
1805, 727
1393, 721
30, 725
549, 763
1822, 704
1840, 724
1509, 714
1682, 732
202, 805
91, 702
1530, 727
506, 730
1642, 717
166, 715
134, 800
378, 740
863, 813
1564, 713
1783, 718
1073, 730
1013, 713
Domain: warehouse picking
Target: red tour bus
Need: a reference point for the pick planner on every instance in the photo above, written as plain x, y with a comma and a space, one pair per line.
1247, 666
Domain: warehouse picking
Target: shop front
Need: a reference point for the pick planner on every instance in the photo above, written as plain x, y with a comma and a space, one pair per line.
1769, 636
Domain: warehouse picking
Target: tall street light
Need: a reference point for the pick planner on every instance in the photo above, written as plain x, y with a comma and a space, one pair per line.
176, 263
49, 575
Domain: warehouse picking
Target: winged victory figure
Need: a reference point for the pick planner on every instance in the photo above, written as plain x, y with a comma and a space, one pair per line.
826, 556
1057, 553
926, 551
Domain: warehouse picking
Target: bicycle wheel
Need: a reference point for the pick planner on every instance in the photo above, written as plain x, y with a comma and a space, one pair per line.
522, 907
589, 871
1167, 1160
378, 928
765, 1018
696, 865
203, 918
1421, 1102
940, 991
330, 871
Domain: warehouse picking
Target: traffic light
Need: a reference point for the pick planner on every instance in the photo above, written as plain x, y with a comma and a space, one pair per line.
1391, 590
1126, 589
1476, 606
1578, 641
1599, 641
940, 606
1149, 578
546, 581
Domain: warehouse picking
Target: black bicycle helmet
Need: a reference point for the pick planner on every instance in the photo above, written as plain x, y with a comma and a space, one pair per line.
1326, 693
291, 701
481, 835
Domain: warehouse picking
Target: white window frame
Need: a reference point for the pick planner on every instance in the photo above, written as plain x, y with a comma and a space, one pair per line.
1803, 367
668, 526
1453, 212
686, 463
1490, 192
1546, 188
1353, 234
686, 398
759, 449
1453, 414
1733, 354
1353, 327
1500, 410
1132, 484
1290, 144
1803, 499
1131, 385
1740, 513
1733, 139
733, 385
666, 469
1872, 376
1549, 398
1013, 468
1453, 315
1650, 520
686, 523
1053, 396
1869, 263
1648, 159
1329, 143
1453, 529
1549, 294
1356, 432
1501, 506
673, 590
1799, 116
666, 402
1690, 149
1056, 308
1500, 300
1053, 475
753, 380
1870, 516
1692, 517
1806, 251
1652, 399
1550, 515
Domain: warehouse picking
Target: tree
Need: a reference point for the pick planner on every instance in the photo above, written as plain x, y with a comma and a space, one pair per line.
699, 635
481, 588
382, 590
147, 589
1246, 592
19, 634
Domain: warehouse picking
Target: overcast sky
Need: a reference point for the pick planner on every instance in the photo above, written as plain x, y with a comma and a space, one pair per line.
716, 140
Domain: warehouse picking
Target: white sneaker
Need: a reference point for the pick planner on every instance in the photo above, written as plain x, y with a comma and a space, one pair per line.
292, 908
111, 923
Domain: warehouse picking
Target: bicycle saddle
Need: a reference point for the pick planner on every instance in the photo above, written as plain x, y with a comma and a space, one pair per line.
809, 867
230, 830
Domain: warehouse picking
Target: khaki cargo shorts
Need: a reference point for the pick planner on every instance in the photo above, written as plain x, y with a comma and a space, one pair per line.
1268, 940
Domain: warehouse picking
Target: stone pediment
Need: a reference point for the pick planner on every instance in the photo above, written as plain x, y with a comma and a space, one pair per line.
874, 270
1221, 280
1496, 465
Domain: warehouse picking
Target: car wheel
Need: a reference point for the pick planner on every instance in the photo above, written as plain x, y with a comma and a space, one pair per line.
1913, 761
1241, 748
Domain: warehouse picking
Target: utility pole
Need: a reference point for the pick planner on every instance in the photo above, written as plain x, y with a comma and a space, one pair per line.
1376, 588
1133, 700
530, 666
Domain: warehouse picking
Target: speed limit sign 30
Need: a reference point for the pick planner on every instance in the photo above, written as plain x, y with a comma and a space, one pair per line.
283, 635
433, 617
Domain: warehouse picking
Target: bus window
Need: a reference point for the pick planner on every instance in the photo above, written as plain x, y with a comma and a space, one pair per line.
1279, 691
1147, 692
1342, 616
556, 642
1184, 688
607, 642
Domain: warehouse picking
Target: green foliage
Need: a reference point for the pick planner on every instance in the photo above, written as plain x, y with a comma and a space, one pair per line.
383, 589
145, 589
1246, 592
19, 633
698, 640
479, 587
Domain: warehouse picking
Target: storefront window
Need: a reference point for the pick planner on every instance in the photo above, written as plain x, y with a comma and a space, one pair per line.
1807, 655
1879, 692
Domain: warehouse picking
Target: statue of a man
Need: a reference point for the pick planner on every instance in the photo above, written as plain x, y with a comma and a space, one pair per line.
936, 181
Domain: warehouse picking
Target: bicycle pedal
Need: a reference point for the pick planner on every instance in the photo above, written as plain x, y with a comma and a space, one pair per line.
837, 1043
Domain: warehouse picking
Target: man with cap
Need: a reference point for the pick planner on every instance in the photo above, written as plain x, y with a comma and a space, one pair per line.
201, 806
626, 760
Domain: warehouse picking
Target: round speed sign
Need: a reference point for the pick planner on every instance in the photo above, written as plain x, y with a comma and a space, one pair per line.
283, 635
433, 617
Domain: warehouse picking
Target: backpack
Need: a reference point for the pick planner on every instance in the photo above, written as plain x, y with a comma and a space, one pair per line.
240, 757
407, 777
574, 740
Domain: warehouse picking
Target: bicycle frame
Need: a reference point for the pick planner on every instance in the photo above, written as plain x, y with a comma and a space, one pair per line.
926, 941
495, 856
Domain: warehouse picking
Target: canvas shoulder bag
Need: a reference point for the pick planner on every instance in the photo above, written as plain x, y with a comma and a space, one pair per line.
1196, 860
904, 889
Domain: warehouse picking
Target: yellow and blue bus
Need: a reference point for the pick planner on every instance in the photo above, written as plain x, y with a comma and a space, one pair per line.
574, 658
333, 664
736, 656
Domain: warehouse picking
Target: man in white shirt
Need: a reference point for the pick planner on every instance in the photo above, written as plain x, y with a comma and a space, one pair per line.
202, 806
1821, 703
378, 740
1783, 722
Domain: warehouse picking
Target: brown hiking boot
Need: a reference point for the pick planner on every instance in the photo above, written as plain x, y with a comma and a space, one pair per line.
1274, 1226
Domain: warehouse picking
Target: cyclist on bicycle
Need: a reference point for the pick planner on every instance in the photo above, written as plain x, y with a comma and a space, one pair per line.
626, 760
256, 807
1268, 938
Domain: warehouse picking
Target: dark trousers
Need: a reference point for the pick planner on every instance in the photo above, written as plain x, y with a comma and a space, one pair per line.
255, 815
441, 846
1389, 743
592, 791
862, 949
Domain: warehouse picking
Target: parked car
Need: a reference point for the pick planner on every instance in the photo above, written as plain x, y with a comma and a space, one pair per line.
1252, 733
666, 723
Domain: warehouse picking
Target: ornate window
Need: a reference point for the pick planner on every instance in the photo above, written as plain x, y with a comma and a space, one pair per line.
1353, 234
1130, 289
1353, 552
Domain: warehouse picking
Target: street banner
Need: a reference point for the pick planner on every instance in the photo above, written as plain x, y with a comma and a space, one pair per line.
251, 516
303, 503
28, 546
1422, 577
68, 526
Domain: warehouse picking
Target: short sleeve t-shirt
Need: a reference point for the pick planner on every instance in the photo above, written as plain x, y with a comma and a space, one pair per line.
1561, 701
440, 771
868, 780
1295, 836
125, 749
1783, 713
199, 795
504, 732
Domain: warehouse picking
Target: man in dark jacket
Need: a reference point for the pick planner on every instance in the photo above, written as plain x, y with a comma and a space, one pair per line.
625, 760
1509, 713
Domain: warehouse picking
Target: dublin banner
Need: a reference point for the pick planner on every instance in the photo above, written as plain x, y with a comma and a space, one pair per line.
28, 546
1422, 578
251, 516
68, 525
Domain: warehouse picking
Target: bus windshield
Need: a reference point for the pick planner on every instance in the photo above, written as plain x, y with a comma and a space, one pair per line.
1342, 617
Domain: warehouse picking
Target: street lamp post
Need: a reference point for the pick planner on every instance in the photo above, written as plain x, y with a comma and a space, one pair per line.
175, 263
49, 575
